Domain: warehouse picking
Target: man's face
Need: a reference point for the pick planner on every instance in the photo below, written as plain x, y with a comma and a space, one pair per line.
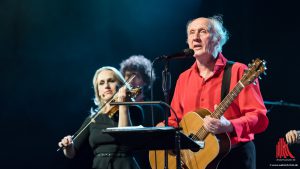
200, 37
137, 81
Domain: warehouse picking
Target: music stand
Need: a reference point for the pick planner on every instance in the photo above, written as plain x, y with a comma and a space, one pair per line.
153, 138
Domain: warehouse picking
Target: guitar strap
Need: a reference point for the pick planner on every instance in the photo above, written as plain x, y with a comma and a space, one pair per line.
226, 79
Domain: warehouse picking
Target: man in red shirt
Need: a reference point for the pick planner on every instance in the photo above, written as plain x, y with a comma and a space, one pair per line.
200, 87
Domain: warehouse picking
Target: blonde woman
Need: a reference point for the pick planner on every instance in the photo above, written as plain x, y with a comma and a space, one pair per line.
108, 154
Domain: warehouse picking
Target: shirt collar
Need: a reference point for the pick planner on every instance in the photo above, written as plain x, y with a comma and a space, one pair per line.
220, 64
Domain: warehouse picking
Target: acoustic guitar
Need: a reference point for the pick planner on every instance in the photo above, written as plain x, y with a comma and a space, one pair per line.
216, 147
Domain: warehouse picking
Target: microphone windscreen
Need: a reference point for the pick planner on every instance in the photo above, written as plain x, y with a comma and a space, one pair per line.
188, 52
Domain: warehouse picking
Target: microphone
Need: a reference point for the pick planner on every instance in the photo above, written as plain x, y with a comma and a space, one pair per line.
186, 53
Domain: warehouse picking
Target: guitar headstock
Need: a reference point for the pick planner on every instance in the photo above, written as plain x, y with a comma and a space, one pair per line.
255, 68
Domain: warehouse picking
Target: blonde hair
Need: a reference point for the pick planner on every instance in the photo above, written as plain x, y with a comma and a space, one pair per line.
117, 74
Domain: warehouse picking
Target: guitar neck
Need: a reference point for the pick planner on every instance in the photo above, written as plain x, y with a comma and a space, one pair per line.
222, 107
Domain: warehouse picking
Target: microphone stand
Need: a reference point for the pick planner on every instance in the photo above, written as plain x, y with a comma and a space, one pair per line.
166, 86
166, 81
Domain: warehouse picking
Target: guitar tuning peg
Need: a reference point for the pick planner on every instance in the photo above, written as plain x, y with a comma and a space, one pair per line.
254, 83
259, 78
265, 73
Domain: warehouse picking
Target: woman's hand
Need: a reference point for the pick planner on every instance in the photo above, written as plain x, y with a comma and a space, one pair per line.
68, 147
66, 142
122, 94
124, 118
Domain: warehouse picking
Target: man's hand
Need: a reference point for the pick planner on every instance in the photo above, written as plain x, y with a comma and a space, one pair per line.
160, 124
217, 126
292, 137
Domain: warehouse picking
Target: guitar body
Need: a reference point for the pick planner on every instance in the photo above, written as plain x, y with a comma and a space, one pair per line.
215, 146
157, 159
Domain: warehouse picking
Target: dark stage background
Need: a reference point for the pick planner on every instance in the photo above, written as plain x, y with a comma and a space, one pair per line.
49, 51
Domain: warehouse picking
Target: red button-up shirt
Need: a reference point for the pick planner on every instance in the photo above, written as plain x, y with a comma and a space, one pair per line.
247, 112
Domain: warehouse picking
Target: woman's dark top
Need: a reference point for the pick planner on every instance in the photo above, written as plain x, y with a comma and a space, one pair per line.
108, 153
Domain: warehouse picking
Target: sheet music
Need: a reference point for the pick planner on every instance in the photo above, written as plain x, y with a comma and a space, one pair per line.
125, 127
140, 127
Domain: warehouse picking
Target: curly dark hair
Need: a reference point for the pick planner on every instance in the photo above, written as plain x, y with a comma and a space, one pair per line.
140, 64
